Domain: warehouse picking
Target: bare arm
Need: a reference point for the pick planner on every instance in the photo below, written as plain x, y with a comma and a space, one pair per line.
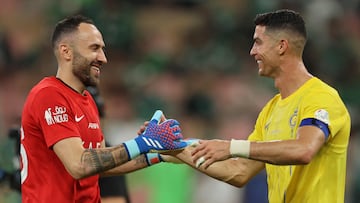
80, 162
127, 167
234, 171
130, 166
238, 171
289, 152
284, 152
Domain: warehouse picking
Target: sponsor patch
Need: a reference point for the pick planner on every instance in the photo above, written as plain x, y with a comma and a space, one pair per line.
56, 115
322, 115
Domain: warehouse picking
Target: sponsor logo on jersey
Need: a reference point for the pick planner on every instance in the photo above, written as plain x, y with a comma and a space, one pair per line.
322, 115
56, 115
292, 122
293, 119
91, 145
93, 126
267, 126
78, 119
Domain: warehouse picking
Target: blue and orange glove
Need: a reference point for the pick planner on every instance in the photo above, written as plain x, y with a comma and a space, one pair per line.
156, 138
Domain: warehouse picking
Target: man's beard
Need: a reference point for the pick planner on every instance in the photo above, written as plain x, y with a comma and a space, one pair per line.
81, 69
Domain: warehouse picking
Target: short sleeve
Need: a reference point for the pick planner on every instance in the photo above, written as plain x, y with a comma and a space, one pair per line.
326, 107
54, 114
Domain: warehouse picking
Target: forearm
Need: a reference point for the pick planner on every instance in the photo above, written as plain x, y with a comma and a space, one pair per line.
236, 172
139, 162
287, 152
290, 152
95, 161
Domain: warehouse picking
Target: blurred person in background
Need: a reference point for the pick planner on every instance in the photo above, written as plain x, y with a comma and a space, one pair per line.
62, 145
301, 136
9, 166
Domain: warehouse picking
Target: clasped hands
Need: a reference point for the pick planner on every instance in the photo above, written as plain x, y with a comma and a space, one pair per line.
168, 134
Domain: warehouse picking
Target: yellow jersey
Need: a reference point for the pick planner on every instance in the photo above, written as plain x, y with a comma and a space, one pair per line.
323, 179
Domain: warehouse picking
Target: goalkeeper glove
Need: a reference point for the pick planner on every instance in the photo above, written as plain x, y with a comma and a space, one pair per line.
156, 138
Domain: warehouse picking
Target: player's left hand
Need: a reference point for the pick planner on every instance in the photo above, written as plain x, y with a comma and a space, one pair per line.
209, 151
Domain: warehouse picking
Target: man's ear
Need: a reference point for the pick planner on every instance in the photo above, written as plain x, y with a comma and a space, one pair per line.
65, 51
283, 46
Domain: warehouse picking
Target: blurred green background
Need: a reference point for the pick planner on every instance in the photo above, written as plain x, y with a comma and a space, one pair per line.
189, 58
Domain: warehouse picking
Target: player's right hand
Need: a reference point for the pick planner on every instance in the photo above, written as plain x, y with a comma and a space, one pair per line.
156, 137
161, 137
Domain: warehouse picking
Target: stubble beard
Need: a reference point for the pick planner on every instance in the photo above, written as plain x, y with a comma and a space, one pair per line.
81, 69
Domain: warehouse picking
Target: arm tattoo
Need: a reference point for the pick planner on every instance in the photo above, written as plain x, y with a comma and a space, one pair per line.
102, 159
141, 160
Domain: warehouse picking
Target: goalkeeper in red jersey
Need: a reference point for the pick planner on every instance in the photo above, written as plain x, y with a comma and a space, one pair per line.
62, 145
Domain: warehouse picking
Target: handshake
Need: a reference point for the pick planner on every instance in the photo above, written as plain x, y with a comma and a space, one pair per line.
157, 138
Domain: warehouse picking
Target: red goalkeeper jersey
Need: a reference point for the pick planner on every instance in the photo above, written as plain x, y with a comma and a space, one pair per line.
53, 111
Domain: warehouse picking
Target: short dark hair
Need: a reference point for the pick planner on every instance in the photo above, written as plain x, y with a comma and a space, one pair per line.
68, 25
284, 19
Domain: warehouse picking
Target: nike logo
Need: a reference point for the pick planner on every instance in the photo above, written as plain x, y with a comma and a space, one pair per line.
78, 119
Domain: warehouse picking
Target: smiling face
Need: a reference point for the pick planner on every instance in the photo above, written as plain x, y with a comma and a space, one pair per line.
265, 52
88, 54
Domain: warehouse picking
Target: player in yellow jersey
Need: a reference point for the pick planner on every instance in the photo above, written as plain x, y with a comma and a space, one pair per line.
301, 135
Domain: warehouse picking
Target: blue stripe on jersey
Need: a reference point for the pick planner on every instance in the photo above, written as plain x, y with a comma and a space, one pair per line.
318, 123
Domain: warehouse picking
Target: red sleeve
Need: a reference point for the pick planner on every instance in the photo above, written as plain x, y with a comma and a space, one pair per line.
54, 113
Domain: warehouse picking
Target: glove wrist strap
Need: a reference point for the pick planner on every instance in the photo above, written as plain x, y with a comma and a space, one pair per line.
153, 158
132, 149
240, 148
